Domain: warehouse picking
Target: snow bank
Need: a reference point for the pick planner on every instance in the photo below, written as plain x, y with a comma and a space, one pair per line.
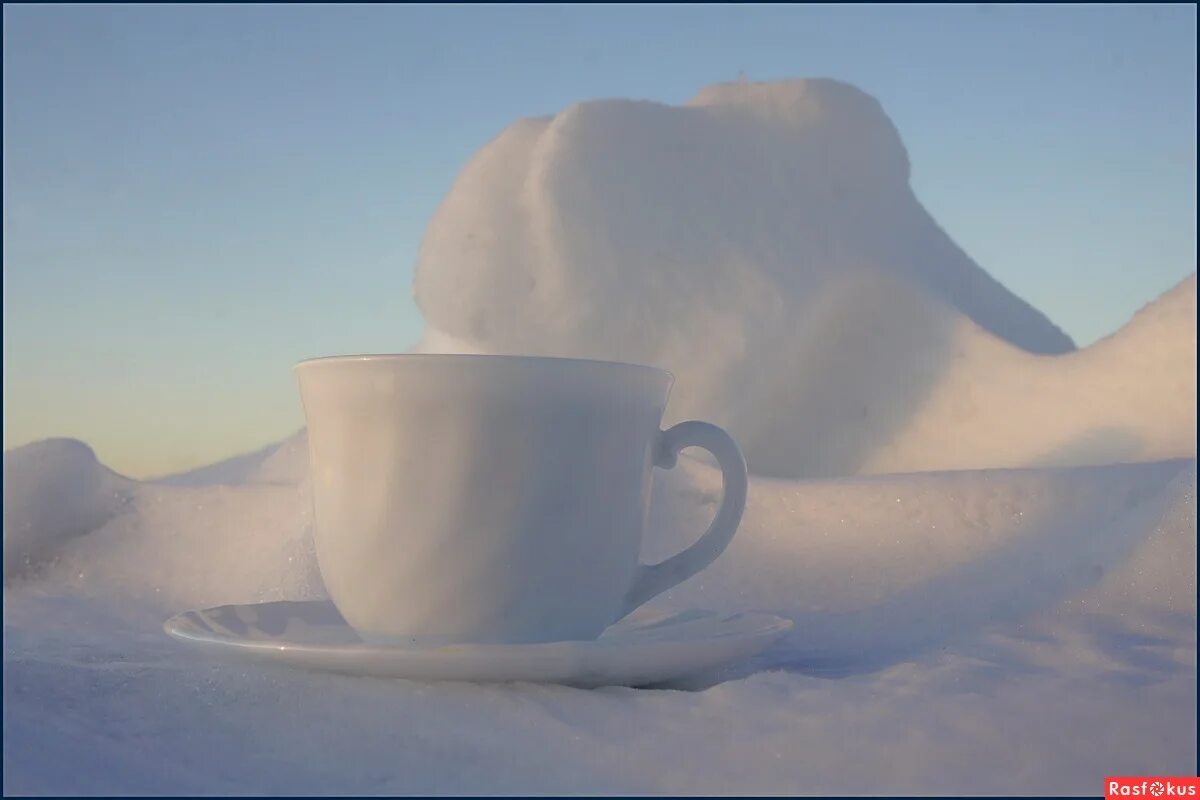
763, 243
959, 632
54, 491
745, 201
281, 463
875, 569
868, 568
1129, 397
979, 630
181, 547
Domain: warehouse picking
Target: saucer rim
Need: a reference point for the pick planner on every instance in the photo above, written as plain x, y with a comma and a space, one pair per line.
769, 625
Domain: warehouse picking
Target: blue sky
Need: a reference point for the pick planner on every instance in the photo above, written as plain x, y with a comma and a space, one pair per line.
195, 197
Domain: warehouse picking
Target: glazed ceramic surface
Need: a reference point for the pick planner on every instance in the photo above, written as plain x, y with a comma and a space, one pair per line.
495, 498
645, 648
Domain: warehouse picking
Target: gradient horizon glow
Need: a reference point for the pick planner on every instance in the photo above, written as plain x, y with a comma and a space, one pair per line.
197, 197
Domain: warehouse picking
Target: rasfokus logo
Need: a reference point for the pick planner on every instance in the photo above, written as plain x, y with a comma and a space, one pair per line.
1156, 786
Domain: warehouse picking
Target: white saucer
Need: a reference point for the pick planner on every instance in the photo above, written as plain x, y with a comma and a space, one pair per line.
645, 647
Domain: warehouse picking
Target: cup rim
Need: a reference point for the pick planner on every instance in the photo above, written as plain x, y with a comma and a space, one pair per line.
465, 357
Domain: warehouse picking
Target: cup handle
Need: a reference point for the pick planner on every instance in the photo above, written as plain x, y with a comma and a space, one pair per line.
653, 579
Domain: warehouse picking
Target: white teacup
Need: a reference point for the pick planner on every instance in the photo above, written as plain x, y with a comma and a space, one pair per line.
463, 498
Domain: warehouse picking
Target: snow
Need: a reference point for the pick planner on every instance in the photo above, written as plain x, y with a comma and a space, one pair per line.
996, 630
1129, 397
283, 462
740, 241
54, 491
986, 538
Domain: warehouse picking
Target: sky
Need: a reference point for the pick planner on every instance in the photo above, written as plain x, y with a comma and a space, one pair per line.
196, 197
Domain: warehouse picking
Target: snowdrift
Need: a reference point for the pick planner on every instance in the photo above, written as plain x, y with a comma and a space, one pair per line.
986, 537
54, 491
972, 630
761, 242
281, 463
1129, 397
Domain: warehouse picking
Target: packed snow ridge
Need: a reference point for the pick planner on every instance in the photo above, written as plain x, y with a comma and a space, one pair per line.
764, 244
1021, 630
751, 200
54, 491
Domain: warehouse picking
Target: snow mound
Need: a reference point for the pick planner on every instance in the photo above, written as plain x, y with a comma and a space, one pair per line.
878, 568
287, 464
284, 462
183, 547
762, 242
1129, 397
980, 630
231, 471
869, 567
54, 491
956, 610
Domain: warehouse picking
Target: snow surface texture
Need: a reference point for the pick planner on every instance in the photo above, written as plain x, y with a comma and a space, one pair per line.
54, 491
993, 631
1025, 630
763, 243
